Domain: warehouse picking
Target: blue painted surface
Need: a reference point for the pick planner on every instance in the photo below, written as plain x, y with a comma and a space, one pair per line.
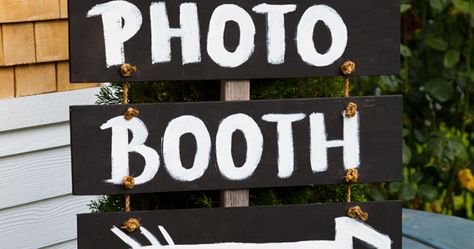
423, 230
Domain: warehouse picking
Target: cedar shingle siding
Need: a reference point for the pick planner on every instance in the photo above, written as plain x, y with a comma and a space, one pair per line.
34, 48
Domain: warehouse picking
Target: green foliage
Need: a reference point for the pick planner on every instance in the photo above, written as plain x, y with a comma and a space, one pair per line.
297, 88
437, 84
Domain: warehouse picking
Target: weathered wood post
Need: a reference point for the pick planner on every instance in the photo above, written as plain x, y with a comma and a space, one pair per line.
235, 90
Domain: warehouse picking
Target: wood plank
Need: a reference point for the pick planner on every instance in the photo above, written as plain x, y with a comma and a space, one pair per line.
51, 40
2, 59
71, 244
63, 8
42, 223
43, 109
35, 79
314, 226
7, 83
64, 84
35, 176
34, 138
413, 244
366, 32
28, 10
323, 144
438, 231
18, 43
230, 91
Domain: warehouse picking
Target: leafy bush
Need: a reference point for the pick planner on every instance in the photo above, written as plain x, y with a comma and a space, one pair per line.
437, 84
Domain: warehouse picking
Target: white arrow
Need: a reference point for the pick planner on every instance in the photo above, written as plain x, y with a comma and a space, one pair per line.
346, 230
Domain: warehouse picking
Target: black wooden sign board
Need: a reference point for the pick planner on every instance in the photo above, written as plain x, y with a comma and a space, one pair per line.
311, 226
230, 145
229, 39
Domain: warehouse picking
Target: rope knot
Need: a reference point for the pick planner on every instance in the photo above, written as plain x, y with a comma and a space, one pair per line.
351, 109
348, 68
352, 175
127, 69
356, 212
131, 225
128, 182
130, 113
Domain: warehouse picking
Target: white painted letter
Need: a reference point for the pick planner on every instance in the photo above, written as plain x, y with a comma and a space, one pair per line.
254, 140
121, 148
161, 33
215, 38
171, 153
319, 143
285, 141
121, 20
305, 30
275, 29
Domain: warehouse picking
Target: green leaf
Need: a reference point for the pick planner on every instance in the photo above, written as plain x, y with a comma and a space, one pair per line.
458, 202
439, 5
407, 192
437, 43
451, 58
469, 206
406, 154
440, 89
404, 7
464, 6
427, 192
405, 132
394, 187
376, 194
471, 76
419, 136
417, 176
405, 51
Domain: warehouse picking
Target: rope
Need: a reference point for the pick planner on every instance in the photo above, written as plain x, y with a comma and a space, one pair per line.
351, 109
126, 70
356, 212
130, 113
128, 181
131, 225
347, 69
125, 93
352, 175
127, 203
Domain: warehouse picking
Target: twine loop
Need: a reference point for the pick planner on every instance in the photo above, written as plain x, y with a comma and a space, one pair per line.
351, 109
348, 67
130, 113
352, 175
356, 212
128, 182
131, 225
126, 70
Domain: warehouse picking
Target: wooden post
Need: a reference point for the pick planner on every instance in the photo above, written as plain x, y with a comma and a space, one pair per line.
235, 90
